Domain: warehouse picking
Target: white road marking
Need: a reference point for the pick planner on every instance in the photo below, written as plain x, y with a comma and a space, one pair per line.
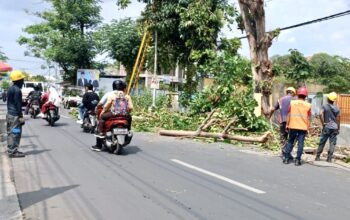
241, 185
63, 116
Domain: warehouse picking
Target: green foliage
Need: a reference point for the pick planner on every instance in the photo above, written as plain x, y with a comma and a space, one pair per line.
121, 39
187, 34
101, 92
347, 160
5, 84
301, 69
322, 68
332, 71
65, 35
3, 56
162, 117
37, 78
281, 65
231, 93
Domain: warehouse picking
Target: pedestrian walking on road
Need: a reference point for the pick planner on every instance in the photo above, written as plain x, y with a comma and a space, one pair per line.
298, 123
283, 105
330, 120
14, 116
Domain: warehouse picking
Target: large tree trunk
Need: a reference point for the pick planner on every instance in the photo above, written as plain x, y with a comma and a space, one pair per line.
174, 133
253, 16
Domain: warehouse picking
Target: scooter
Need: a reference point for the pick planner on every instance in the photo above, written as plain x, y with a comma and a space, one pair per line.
52, 113
117, 135
34, 109
89, 122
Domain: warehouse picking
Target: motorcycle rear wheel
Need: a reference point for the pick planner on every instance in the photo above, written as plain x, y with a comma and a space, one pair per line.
118, 149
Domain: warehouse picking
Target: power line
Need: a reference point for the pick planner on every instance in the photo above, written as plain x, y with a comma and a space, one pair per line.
25, 61
341, 14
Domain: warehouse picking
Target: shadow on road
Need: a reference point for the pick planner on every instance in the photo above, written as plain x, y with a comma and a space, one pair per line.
58, 124
28, 146
36, 152
130, 150
30, 198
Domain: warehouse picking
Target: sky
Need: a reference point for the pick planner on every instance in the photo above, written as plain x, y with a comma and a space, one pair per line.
331, 36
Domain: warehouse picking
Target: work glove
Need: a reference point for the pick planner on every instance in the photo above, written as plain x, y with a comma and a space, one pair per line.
21, 121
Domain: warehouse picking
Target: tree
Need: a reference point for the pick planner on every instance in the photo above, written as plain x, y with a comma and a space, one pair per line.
65, 35
252, 20
2, 55
38, 78
280, 65
121, 39
331, 71
300, 69
5, 84
187, 33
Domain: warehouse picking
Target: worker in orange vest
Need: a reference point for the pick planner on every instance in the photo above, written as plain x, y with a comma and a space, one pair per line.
298, 124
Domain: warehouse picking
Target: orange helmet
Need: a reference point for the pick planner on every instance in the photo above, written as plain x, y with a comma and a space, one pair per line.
302, 91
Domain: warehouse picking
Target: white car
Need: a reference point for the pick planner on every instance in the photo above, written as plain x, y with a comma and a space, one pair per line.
72, 96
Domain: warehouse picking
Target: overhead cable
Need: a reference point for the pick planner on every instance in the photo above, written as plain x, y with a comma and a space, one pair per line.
341, 14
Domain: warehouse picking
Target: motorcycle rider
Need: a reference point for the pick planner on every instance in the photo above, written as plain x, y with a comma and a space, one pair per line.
33, 96
89, 102
108, 112
49, 97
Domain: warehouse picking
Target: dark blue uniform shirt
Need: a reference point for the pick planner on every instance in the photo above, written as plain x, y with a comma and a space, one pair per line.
14, 101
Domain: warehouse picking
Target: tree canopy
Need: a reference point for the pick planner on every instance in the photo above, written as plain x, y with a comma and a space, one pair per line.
322, 68
121, 39
2, 55
331, 71
187, 32
65, 35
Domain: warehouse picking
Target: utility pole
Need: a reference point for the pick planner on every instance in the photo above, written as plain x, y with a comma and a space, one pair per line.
155, 67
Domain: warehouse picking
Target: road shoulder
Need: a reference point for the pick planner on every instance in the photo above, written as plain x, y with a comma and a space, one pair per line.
9, 203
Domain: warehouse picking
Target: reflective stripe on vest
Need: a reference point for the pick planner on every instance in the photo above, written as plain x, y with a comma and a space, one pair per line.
299, 115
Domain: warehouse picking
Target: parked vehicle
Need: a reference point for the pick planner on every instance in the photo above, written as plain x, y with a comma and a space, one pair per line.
72, 96
52, 114
34, 108
4, 95
89, 122
27, 88
117, 134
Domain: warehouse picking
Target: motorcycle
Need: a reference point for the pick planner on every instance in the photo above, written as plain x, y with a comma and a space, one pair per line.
89, 122
34, 108
117, 134
52, 113
4, 96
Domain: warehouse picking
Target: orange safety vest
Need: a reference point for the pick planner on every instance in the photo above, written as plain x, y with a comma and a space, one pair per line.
299, 115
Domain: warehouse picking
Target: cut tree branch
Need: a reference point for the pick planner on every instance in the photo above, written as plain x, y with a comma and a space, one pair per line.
234, 120
174, 133
200, 128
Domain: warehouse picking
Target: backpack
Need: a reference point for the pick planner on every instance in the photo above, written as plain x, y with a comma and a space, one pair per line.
120, 107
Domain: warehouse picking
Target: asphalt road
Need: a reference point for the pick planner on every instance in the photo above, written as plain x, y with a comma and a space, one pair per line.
166, 178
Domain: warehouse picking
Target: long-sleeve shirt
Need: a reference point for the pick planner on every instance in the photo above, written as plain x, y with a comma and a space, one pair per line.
14, 101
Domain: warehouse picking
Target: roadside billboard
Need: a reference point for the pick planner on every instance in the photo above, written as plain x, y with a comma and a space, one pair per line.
85, 76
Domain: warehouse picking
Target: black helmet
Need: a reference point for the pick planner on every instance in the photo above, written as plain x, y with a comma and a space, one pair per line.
36, 87
89, 86
119, 85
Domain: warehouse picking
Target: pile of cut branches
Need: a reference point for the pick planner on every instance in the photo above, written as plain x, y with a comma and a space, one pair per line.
206, 124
